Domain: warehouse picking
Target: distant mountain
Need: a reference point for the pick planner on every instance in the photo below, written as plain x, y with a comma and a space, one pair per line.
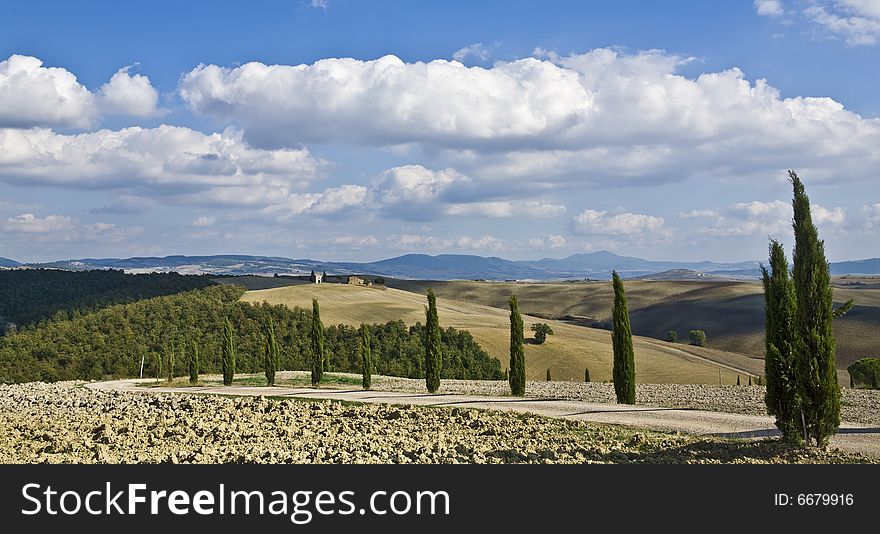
594, 265
6, 262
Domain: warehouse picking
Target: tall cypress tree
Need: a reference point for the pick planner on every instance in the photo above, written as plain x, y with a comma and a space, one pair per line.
366, 356
316, 340
624, 372
517, 375
228, 359
169, 360
782, 396
817, 370
433, 354
193, 364
270, 354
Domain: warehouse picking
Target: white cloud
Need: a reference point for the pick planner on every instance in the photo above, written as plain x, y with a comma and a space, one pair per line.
34, 95
769, 8
61, 228
478, 51
319, 4
871, 216
757, 218
415, 184
169, 157
699, 213
204, 221
552, 241
599, 118
485, 242
28, 223
331, 200
130, 95
593, 222
506, 208
126, 205
856, 21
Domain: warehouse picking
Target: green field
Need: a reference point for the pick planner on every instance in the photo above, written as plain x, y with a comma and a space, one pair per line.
565, 353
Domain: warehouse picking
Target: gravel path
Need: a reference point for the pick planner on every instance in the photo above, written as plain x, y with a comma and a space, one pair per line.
853, 437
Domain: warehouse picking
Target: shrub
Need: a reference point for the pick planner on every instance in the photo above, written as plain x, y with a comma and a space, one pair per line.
541, 330
865, 373
672, 336
698, 338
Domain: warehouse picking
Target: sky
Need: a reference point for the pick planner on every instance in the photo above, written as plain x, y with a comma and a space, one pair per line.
356, 131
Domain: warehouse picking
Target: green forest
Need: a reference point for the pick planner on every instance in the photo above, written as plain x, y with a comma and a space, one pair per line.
111, 342
30, 295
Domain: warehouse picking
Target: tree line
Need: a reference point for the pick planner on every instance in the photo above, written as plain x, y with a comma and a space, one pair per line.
28, 296
112, 342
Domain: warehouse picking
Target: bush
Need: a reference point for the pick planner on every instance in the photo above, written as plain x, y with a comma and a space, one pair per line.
541, 330
865, 373
672, 336
698, 338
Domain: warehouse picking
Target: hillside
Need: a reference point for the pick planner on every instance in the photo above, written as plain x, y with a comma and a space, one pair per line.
565, 353
6, 262
730, 312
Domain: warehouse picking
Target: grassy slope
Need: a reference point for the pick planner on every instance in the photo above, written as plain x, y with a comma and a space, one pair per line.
565, 353
731, 313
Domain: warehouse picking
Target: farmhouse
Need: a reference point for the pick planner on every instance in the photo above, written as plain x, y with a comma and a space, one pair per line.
358, 281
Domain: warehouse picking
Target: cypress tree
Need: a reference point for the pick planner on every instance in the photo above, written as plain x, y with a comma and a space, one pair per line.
433, 355
781, 397
316, 339
586, 374
270, 354
193, 366
517, 351
228, 358
169, 360
817, 371
366, 356
548, 376
624, 372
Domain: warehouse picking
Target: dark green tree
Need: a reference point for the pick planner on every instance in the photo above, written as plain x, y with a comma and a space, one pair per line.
227, 359
316, 340
698, 338
193, 363
624, 372
169, 361
586, 374
541, 330
548, 376
817, 371
672, 336
366, 356
517, 376
270, 354
780, 362
433, 353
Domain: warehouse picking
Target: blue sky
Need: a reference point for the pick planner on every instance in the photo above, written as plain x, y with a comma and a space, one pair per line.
348, 130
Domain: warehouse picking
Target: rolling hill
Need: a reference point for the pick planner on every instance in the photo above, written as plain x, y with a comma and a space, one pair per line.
595, 265
565, 353
6, 262
730, 312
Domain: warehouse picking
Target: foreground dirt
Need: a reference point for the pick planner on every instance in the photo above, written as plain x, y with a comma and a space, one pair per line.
63, 422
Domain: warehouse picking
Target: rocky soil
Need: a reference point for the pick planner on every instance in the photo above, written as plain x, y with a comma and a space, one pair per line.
63, 422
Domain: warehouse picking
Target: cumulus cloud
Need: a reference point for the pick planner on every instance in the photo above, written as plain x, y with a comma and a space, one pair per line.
757, 218
602, 117
478, 51
552, 241
415, 184
130, 95
856, 21
34, 95
28, 223
169, 157
769, 8
507, 208
593, 222
329, 201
